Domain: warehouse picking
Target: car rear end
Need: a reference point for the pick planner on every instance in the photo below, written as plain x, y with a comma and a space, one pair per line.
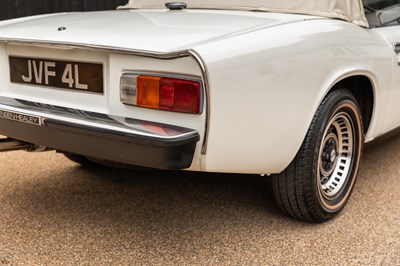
126, 106
134, 86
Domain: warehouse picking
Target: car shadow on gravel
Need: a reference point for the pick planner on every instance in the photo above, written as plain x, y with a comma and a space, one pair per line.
173, 200
57, 209
165, 201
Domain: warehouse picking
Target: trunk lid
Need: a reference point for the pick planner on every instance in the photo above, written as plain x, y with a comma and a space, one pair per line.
146, 30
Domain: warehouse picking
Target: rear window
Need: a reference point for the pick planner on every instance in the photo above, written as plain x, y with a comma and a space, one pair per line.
380, 4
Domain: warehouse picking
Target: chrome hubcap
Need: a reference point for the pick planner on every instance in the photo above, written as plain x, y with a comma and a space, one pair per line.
335, 155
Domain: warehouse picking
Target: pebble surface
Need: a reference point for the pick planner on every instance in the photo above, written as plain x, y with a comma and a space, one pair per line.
54, 212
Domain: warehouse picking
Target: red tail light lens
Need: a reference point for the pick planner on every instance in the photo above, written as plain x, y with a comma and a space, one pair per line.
180, 95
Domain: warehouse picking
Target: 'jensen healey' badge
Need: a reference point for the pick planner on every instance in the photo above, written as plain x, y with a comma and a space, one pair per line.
24, 118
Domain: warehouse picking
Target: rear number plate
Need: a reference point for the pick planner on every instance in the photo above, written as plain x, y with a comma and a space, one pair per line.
54, 73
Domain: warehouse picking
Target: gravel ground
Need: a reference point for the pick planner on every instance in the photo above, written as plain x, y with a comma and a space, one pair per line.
54, 212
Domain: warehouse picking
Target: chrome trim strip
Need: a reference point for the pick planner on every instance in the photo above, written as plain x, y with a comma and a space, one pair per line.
121, 125
70, 45
204, 71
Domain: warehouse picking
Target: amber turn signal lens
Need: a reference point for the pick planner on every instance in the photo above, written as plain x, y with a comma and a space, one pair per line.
148, 93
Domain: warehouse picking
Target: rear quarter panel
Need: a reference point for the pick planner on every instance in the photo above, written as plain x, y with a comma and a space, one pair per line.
265, 87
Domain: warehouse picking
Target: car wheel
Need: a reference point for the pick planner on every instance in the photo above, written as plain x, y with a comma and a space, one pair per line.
317, 184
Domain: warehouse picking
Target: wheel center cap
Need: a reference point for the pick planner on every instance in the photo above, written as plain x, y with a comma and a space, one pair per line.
333, 155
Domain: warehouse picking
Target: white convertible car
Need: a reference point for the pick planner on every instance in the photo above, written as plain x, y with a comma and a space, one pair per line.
291, 89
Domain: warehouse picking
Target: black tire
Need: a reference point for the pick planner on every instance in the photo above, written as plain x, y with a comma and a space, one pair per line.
317, 184
79, 159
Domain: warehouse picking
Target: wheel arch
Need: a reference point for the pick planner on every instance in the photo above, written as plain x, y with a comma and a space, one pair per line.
363, 86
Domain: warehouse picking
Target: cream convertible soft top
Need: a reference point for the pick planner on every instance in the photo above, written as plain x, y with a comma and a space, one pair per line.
350, 10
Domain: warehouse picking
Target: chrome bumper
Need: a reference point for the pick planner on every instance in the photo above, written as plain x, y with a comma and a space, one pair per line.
119, 139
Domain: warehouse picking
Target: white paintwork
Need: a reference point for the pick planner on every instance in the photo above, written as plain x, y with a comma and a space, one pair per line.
392, 120
267, 73
158, 31
264, 98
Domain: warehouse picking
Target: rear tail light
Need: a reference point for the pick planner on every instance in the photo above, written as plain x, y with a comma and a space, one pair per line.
164, 93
